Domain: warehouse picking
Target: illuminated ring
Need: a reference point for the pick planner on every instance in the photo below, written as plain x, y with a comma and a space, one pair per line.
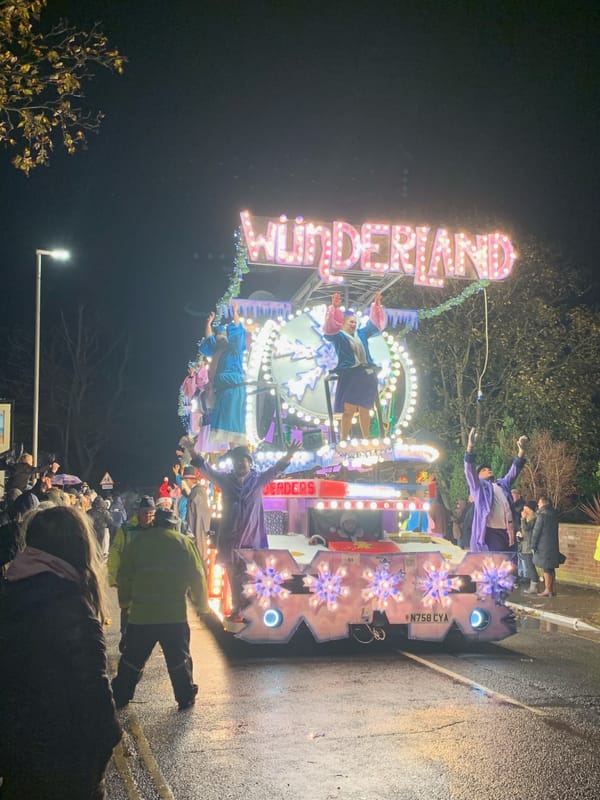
272, 618
480, 619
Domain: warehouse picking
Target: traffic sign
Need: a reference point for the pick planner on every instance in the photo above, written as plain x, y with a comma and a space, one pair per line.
107, 482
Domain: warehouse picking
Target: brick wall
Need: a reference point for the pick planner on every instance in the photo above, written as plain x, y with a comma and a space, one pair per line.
578, 543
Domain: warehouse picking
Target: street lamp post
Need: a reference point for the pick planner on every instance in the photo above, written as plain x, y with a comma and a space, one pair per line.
59, 255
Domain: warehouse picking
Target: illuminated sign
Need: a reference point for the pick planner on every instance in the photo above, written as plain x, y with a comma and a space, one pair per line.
428, 254
291, 488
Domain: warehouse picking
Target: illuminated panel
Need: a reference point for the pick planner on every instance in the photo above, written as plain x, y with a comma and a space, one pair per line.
501, 256
403, 244
293, 257
253, 373
430, 254
421, 263
346, 246
322, 235
442, 257
475, 250
372, 491
259, 242
372, 248
306, 488
291, 489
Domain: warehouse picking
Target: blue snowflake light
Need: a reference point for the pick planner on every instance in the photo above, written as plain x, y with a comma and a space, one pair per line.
326, 587
494, 580
267, 584
437, 585
382, 585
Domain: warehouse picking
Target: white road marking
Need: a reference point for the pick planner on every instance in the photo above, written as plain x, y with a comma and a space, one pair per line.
503, 698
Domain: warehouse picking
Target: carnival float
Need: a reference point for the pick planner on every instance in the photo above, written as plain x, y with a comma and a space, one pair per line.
387, 573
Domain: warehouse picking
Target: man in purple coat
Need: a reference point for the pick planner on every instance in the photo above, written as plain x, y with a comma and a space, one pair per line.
493, 517
243, 522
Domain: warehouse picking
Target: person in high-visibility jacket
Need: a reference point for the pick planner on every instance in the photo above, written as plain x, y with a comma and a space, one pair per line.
125, 534
158, 567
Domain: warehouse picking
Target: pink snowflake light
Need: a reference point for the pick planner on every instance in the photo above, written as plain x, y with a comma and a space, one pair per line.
437, 585
326, 587
382, 586
267, 584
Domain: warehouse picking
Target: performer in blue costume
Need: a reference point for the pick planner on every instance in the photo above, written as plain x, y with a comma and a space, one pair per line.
227, 388
357, 382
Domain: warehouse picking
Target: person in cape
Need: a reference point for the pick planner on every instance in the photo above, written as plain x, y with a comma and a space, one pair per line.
356, 391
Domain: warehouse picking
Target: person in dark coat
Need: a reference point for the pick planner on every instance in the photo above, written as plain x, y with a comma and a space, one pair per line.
20, 476
528, 518
58, 724
544, 544
102, 524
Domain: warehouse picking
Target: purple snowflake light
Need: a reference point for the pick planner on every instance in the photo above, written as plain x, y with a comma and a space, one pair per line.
494, 580
382, 585
326, 587
267, 584
437, 585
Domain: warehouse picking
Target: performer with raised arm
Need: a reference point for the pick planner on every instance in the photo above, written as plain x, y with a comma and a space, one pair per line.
494, 512
243, 522
226, 346
357, 387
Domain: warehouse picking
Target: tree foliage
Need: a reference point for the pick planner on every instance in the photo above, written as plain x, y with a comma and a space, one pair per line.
83, 387
42, 78
535, 371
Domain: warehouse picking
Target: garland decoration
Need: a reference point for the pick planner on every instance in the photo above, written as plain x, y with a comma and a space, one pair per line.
240, 268
472, 288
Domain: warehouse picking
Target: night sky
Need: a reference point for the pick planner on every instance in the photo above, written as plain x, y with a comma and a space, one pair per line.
403, 111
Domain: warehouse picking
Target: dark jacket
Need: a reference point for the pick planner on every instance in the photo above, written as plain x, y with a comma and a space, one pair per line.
57, 724
19, 477
467, 526
544, 539
527, 531
101, 520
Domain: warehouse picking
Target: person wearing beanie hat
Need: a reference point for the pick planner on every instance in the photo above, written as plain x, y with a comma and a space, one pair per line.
157, 568
243, 523
147, 503
494, 526
25, 502
125, 534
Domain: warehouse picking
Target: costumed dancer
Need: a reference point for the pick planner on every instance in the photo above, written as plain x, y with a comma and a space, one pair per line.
226, 348
243, 522
357, 387
493, 512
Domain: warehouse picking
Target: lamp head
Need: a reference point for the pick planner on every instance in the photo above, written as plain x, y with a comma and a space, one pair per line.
60, 255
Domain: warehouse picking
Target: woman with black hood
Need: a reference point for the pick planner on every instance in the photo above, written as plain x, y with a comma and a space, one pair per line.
58, 724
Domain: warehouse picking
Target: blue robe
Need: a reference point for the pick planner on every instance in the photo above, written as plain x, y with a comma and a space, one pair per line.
228, 416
